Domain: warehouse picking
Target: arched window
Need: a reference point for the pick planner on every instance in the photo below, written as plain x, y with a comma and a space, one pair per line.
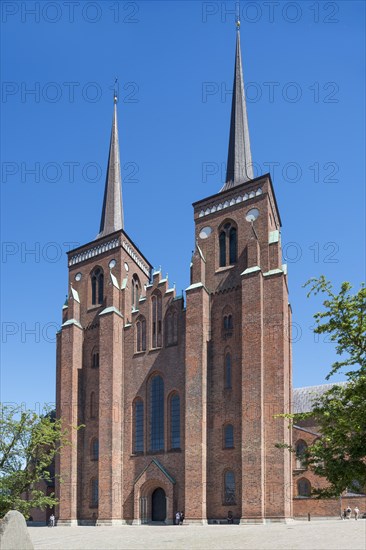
229, 436
222, 242
94, 496
229, 487
94, 449
156, 325
228, 371
228, 322
175, 422
139, 426
301, 448
135, 292
93, 405
232, 245
157, 414
141, 334
303, 487
228, 245
97, 282
95, 360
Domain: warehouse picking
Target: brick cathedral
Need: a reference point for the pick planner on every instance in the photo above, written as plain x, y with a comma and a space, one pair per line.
178, 397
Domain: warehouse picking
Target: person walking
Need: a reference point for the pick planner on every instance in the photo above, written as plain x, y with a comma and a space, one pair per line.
52, 520
181, 518
356, 512
177, 518
348, 512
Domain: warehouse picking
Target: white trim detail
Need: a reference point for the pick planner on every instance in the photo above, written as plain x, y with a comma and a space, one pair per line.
211, 209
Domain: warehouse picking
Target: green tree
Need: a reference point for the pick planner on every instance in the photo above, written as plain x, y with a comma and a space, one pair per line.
339, 455
28, 446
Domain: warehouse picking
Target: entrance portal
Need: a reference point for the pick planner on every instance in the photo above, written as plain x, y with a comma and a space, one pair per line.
158, 505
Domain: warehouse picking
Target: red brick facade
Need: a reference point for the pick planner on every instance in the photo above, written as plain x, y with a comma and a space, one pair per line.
225, 355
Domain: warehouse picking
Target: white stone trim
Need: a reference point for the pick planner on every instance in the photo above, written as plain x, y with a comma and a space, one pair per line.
219, 205
94, 251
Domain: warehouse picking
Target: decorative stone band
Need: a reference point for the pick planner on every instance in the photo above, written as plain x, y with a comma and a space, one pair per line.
104, 247
131, 252
94, 251
215, 207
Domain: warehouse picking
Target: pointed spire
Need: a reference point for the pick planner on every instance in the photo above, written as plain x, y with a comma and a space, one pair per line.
112, 213
239, 162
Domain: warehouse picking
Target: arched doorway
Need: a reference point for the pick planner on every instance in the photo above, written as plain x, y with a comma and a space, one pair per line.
158, 505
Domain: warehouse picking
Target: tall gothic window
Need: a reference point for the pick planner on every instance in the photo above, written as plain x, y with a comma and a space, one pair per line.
229, 436
97, 282
222, 241
228, 322
232, 245
139, 427
94, 449
156, 325
157, 414
141, 334
94, 496
95, 360
303, 487
135, 292
228, 371
301, 448
175, 422
228, 245
229, 487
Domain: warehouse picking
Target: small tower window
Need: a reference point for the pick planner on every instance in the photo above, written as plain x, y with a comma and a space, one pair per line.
97, 282
229, 436
95, 360
135, 292
94, 449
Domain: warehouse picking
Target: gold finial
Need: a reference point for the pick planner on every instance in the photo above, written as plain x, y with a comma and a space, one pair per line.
237, 24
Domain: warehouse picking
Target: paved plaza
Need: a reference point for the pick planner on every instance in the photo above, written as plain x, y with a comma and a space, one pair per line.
298, 535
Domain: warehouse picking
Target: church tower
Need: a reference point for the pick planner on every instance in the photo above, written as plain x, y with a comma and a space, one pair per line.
238, 364
177, 401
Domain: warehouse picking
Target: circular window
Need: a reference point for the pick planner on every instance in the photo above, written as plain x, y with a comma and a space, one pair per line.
112, 263
252, 215
126, 266
205, 232
78, 277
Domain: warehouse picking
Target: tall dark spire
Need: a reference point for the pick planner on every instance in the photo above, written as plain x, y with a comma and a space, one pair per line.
239, 161
112, 213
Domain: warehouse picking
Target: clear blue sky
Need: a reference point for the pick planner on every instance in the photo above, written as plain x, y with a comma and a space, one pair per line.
304, 71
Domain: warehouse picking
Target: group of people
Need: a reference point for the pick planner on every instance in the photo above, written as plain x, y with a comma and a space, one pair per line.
347, 512
179, 518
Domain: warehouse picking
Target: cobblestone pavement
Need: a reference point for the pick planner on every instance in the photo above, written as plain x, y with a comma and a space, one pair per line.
297, 535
